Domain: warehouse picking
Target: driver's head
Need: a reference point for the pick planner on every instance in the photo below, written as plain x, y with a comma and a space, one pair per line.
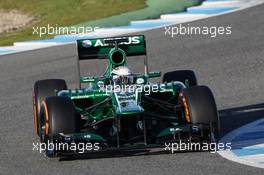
122, 75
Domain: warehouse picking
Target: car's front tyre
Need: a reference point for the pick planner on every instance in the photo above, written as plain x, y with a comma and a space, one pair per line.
41, 90
200, 110
57, 115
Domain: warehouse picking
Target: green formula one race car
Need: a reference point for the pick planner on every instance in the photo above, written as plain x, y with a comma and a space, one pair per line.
122, 110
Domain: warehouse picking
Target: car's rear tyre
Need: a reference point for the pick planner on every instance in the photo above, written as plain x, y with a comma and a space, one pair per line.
182, 76
57, 115
200, 109
42, 89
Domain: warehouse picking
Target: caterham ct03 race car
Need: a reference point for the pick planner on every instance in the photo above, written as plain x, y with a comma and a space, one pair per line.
122, 110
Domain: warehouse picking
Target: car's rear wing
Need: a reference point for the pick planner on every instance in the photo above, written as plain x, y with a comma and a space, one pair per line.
99, 48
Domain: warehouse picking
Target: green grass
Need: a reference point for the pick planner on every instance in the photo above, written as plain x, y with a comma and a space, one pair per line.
89, 13
63, 13
153, 10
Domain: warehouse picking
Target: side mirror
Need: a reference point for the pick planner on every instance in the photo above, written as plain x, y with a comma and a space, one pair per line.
87, 79
154, 74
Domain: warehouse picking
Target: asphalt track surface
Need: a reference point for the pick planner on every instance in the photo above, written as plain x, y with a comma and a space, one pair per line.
232, 66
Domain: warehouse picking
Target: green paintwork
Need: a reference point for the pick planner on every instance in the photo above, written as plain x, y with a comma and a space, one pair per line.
91, 137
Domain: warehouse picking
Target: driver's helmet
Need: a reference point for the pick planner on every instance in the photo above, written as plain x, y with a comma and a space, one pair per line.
122, 75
